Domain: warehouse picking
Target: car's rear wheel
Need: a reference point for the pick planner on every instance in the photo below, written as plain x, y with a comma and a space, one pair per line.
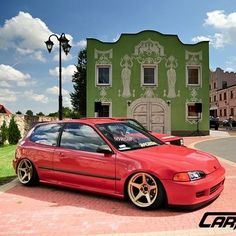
145, 191
26, 173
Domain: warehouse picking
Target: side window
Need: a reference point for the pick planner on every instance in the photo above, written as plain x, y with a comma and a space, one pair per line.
81, 137
46, 134
194, 75
103, 75
192, 111
149, 75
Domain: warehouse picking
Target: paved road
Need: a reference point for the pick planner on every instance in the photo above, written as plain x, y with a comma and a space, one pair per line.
224, 147
53, 211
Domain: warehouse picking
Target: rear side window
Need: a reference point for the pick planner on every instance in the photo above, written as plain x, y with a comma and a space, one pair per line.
46, 134
81, 137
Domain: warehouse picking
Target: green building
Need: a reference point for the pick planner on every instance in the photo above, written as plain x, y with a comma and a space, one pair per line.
151, 77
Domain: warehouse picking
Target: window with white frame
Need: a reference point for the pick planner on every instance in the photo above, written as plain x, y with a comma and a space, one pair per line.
192, 111
193, 74
149, 75
103, 74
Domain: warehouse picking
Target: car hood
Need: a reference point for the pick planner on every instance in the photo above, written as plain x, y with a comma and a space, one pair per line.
176, 158
165, 137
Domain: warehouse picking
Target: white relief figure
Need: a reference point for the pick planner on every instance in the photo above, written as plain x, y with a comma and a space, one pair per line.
125, 76
126, 63
171, 63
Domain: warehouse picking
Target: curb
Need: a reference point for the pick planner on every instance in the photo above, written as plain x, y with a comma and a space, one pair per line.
9, 185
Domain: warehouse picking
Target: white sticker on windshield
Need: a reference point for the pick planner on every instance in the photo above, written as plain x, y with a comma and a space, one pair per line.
123, 147
147, 144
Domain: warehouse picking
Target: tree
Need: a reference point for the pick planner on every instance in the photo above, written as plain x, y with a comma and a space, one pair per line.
67, 113
4, 132
29, 113
13, 132
78, 97
53, 114
40, 114
19, 113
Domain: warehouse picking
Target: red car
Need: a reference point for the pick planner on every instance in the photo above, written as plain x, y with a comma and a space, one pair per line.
166, 138
115, 158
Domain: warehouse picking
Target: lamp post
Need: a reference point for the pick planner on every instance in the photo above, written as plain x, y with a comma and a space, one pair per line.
64, 44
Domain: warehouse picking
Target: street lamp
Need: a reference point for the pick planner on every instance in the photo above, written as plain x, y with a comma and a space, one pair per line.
64, 44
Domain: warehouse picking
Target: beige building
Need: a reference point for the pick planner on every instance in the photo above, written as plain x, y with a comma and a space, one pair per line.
222, 94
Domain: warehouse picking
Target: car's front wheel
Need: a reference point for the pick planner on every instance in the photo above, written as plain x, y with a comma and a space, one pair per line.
26, 172
145, 191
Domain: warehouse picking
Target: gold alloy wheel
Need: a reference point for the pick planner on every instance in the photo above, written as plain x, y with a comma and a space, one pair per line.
142, 190
25, 171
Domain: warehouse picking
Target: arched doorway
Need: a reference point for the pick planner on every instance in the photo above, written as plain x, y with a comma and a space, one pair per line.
153, 113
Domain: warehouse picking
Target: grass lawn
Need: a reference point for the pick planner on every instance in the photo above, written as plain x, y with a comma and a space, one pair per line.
7, 172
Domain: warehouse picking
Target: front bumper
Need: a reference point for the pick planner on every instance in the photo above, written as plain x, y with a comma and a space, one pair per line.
195, 192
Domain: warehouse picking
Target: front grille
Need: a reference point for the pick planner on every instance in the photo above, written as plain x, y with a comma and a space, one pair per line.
209, 191
200, 194
216, 187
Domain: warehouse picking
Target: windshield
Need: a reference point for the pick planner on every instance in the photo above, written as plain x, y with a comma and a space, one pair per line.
124, 136
136, 123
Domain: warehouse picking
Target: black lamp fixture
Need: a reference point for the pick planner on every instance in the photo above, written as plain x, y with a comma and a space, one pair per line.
64, 44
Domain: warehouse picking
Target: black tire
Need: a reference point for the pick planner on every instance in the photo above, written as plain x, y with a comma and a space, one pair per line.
27, 173
145, 191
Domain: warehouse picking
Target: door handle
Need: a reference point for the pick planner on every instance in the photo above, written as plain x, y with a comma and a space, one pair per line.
61, 154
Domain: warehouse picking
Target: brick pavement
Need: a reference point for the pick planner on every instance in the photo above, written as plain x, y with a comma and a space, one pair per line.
47, 210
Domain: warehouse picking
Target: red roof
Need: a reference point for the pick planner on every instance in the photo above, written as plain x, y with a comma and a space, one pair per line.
4, 110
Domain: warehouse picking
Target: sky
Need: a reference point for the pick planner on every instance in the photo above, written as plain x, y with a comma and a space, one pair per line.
29, 74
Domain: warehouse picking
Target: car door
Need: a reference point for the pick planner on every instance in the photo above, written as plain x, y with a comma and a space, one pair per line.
78, 164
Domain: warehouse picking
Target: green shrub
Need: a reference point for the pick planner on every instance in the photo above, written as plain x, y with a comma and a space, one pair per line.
3, 133
13, 132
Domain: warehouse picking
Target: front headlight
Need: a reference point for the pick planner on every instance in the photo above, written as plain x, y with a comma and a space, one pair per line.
182, 142
195, 175
188, 176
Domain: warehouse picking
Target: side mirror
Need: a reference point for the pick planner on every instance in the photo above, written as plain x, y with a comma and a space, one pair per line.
104, 149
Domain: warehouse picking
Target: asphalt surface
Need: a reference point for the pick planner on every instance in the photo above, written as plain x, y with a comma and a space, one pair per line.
223, 147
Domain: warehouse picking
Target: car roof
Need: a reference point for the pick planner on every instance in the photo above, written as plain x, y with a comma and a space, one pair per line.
98, 120
91, 120
110, 118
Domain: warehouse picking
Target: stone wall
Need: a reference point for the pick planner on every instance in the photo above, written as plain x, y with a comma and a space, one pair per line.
24, 122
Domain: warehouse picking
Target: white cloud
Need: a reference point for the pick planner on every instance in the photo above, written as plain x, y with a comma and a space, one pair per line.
65, 93
82, 43
219, 20
201, 38
24, 32
231, 64
36, 97
7, 95
67, 72
38, 55
217, 40
64, 57
67, 101
27, 35
9, 73
225, 26
5, 84
229, 69
55, 91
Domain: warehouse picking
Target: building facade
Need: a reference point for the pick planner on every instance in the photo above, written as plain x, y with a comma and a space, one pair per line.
151, 77
223, 94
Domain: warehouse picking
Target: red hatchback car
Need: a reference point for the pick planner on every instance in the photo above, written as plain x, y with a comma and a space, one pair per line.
115, 158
